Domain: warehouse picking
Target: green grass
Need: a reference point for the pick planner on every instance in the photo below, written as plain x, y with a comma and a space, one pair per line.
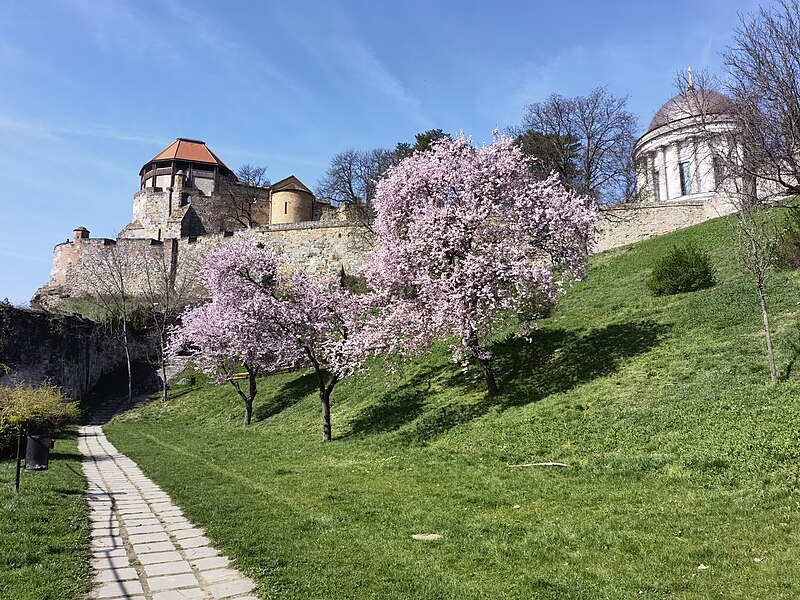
44, 531
681, 454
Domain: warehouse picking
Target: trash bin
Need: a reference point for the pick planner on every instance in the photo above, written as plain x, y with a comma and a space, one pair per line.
37, 455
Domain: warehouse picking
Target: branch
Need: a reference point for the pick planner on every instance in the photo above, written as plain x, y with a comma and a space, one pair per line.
540, 464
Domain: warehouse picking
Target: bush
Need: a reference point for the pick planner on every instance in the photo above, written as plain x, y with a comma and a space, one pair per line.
41, 410
684, 269
788, 254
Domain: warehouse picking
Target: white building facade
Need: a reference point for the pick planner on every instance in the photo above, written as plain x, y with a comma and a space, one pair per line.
682, 157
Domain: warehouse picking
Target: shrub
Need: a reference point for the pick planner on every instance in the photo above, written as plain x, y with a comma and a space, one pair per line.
788, 253
684, 269
41, 410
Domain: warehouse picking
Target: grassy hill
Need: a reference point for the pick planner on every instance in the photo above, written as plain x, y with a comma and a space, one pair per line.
683, 478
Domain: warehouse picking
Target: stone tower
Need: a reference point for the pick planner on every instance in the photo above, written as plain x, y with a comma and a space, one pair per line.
180, 193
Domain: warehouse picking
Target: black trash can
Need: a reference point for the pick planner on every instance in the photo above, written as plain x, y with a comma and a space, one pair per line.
37, 455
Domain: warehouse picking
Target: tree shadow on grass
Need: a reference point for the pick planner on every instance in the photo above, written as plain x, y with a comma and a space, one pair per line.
554, 361
557, 361
393, 410
290, 394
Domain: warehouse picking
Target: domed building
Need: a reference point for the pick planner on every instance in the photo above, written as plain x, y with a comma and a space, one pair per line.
679, 159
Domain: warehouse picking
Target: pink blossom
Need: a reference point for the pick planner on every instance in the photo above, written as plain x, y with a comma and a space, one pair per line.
468, 243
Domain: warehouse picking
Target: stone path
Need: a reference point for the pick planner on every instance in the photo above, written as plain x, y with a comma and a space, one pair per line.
143, 548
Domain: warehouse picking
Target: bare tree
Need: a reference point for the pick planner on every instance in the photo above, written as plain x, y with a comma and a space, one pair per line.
352, 178
741, 141
763, 68
589, 139
167, 288
243, 196
106, 279
757, 244
552, 152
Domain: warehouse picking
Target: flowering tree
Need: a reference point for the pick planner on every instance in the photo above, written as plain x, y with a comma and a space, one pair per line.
321, 316
240, 324
262, 318
468, 243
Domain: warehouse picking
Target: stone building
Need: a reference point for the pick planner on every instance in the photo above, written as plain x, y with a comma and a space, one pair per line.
682, 155
680, 170
190, 202
187, 191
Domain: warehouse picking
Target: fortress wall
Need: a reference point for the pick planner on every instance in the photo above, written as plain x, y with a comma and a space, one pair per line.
68, 351
150, 208
68, 256
78, 264
319, 247
326, 246
626, 225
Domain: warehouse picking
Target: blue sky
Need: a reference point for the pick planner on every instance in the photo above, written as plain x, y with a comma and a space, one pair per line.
90, 90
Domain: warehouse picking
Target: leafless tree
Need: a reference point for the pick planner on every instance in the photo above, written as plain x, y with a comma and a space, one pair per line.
755, 139
591, 138
757, 244
244, 195
763, 69
167, 288
106, 279
352, 178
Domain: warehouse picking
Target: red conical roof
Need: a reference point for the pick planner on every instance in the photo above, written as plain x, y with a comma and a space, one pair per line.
189, 150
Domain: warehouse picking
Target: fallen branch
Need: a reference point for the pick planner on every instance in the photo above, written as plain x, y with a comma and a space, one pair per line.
540, 464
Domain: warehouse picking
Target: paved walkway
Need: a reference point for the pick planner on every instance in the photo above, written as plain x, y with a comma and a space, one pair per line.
143, 548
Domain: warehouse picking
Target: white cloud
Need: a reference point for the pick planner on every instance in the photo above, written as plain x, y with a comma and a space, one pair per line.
39, 129
330, 41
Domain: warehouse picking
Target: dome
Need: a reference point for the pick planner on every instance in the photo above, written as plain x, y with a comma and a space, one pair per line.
692, 103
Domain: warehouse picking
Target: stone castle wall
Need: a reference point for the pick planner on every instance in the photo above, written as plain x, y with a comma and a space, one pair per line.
318, 246
329, 244
634, 223
66, 350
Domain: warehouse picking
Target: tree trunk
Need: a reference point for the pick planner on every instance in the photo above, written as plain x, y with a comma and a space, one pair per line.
127, 357
762, 297
248, 402
488, 373
485, 363
251, 392
248, 411
163, 343
325, 400
324, 393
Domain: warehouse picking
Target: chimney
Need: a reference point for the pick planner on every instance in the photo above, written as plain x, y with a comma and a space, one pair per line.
81, 233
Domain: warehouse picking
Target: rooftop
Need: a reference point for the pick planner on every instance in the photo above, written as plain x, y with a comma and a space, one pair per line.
691, 103
189, 150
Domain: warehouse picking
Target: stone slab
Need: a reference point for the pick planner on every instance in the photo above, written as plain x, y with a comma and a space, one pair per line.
184, 594
219, 575
117, 589
172, 582
148, 538
194, 542
160, 557
201, 552
170, 568
124, 574
212, 562
231, 588
156, 547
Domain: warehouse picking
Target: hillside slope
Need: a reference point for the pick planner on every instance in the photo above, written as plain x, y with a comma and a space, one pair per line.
683, 480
